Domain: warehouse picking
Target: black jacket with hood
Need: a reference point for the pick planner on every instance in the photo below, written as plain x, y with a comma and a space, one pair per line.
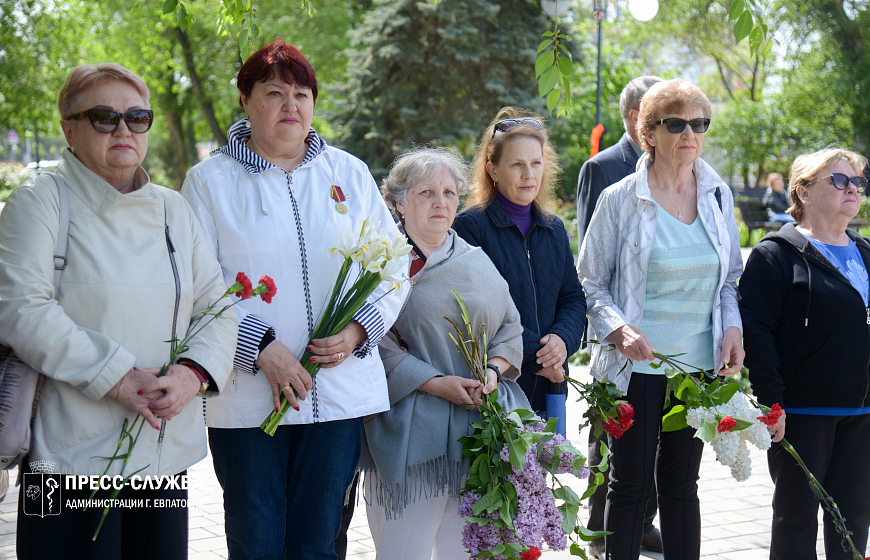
806, 329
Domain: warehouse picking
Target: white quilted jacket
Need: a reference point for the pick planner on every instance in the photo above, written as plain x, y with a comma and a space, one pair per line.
615, 254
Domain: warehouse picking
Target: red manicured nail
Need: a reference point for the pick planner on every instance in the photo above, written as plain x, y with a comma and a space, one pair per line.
311, 359
157, 427
277, 409
308, 348
297, 409
141, 391
150, 406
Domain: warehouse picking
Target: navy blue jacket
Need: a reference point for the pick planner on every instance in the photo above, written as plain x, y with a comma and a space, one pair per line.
608, 167
539, 270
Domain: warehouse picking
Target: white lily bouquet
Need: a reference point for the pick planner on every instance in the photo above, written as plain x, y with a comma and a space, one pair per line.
370, 258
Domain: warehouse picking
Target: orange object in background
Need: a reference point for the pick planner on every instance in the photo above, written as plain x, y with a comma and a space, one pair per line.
597, 133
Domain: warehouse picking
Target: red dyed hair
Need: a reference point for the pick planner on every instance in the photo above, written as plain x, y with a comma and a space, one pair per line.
276, 59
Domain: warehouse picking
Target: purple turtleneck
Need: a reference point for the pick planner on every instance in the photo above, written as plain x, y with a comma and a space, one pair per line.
521, 215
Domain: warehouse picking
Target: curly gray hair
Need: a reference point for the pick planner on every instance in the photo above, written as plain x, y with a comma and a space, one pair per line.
420, 164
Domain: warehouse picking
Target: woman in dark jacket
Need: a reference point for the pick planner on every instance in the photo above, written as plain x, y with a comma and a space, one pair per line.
807, 334
514, 172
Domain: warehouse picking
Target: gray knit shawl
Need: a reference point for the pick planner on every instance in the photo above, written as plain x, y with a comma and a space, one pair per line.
412, 450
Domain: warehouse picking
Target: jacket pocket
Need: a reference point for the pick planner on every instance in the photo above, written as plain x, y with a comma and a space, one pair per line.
826, 367
70, 418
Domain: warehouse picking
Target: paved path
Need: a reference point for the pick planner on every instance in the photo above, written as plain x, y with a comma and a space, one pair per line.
735, 516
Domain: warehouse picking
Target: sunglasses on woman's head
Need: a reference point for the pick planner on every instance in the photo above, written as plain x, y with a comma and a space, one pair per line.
506, 125
841, 181
106, 120
676, 126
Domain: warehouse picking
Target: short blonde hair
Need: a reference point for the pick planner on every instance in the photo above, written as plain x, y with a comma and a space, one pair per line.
491, 149
771, 177
418, 165
806, 169
84, 76
672, 96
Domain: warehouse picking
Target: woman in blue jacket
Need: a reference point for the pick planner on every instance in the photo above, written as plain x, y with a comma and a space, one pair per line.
509, 218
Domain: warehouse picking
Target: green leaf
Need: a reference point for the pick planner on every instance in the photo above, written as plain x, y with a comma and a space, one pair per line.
169, 6
478, 520
569, 516
544, 45
741, 424
547, 34
687, 389
725, 393
243, 42
706, 432
548, 81
545, 60
756, 38
517, 454
588, 535
743, 26
553, 100
498, 549
566, 51
675, 419
655, 365
255, 32
577, 550
737, 8
671, 373
767, 46
565, 65
505, 515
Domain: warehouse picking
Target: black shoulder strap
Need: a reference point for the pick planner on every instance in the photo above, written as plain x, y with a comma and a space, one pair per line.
718, 195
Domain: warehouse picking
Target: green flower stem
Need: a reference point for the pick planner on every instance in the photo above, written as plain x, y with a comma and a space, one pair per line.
826, 500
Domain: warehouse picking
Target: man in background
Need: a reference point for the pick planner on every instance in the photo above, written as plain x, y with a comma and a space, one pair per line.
599, 172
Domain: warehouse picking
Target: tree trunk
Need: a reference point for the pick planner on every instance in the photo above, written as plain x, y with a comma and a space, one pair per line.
178, 158
204, 102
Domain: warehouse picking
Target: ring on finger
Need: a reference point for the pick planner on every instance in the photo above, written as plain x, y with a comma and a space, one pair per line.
286, 387
339, 357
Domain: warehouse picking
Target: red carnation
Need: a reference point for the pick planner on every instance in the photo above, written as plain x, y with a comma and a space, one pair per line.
613, 427
247, 289
531, 554
625, 413
726, 424
269, 289
773, 416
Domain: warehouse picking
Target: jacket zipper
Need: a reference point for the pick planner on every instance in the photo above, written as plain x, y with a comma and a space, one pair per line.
304, 258
171, 248
532, 277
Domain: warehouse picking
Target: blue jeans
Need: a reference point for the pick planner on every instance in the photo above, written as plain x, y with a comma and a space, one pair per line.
283, 494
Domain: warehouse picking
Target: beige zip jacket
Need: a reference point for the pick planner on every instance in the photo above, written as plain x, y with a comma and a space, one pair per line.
114, 310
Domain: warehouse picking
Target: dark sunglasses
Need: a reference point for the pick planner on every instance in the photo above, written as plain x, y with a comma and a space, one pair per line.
106, 120
841, 181
506, 125
676, 126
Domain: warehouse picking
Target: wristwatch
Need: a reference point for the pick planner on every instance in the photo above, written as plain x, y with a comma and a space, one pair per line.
203, 380
494, 368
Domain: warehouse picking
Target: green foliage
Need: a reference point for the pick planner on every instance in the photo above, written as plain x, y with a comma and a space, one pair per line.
748, 23
570, 133
11, 175
420, 73
554, 68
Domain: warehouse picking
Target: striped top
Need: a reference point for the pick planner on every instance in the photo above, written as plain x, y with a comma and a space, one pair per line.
681, 280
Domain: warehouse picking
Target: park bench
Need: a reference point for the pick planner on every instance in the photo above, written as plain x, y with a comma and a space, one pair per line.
755, 216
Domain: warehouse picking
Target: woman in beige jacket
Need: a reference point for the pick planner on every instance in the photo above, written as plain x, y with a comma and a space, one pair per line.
138, 270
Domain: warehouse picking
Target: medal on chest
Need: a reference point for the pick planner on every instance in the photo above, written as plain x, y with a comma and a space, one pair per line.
338, 196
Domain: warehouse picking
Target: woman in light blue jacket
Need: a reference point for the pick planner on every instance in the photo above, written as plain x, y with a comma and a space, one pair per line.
659, 265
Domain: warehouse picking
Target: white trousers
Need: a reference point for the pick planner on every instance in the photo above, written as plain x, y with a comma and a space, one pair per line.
429, 529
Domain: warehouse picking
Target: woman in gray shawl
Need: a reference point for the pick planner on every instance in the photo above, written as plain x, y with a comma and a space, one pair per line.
411, 455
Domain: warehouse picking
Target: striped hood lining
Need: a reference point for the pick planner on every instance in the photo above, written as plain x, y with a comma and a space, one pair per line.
236, 148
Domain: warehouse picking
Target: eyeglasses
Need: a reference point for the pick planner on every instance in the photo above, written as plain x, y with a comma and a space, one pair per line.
841, 181
106, 120
506, 125
676, 126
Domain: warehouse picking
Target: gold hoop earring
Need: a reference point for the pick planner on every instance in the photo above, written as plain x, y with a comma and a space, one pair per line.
495, 184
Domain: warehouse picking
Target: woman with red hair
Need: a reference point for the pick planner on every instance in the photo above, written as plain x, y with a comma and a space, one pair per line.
274, 201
